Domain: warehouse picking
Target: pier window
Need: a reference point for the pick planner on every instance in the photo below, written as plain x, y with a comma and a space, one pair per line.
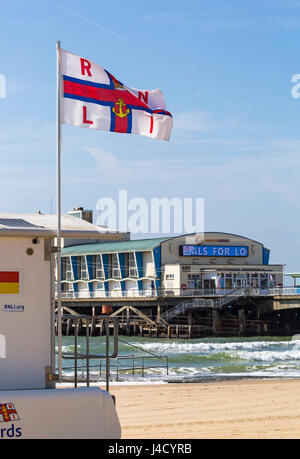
115, 266
241, 280
82, 268
264, 280
67, 273
99, 267
132, 265
229, 280
194, 281
98, 286
254, 280
186, 269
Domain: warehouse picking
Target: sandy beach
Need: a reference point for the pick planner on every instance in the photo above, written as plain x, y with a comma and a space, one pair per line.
230, 410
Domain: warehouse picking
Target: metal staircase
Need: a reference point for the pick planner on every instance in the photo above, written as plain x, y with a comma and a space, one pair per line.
181, 308
231, 297
199, 303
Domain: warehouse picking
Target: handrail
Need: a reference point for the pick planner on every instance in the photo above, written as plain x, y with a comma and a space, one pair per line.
180, 308
141, 349
233, 296
177, 292
123, 358
88, 356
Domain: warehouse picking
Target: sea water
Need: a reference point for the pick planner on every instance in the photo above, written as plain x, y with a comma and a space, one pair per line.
144, 360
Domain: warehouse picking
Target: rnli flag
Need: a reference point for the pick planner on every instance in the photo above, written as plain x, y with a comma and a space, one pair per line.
9, 282
93, 98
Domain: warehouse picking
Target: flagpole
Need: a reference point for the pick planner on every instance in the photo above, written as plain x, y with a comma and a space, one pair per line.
58, 152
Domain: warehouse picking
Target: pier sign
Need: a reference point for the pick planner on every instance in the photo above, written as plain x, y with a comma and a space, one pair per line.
212, 251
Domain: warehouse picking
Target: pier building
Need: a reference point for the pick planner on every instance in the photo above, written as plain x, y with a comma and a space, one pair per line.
168, 267
221, 282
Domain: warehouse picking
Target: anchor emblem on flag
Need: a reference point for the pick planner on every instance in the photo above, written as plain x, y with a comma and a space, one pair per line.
121, 104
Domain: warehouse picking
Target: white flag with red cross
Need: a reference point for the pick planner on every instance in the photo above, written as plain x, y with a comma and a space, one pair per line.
93, 98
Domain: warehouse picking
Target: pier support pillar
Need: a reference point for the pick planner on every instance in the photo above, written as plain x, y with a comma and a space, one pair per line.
142, 330
127, 322
158, 312
79, 327
68, 327
93, 322
190, 323
258, 323
216, 322
241, 322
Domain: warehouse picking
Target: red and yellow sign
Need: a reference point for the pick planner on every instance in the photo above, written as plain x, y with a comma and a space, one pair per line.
9, 282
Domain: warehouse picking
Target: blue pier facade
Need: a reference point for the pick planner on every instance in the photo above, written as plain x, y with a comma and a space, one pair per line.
112, 269
170, 266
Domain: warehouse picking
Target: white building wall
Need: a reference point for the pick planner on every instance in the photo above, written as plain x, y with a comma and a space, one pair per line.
171, 278
27, 334
148, 264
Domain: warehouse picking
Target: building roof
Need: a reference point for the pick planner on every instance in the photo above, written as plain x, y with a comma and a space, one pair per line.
207, 234
139, 245
43, 225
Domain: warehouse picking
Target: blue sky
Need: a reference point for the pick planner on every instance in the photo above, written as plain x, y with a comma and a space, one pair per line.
225, 68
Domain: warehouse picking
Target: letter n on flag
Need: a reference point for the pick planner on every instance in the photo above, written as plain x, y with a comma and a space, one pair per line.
93, 98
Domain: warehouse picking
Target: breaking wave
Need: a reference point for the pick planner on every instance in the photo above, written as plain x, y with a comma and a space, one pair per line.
194, 360
204, 347
269, 356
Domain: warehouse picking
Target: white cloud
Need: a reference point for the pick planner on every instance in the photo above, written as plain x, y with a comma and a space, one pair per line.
272, 174
196, 121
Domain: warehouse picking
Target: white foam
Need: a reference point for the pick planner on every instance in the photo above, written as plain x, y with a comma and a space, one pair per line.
191, 348
270, 356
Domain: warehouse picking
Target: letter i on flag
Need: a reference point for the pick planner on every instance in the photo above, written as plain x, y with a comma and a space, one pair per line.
93, 98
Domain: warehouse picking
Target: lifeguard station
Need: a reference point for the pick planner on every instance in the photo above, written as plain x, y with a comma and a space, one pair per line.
29, 403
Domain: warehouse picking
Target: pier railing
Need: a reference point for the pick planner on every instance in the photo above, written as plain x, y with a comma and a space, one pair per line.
179, 292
